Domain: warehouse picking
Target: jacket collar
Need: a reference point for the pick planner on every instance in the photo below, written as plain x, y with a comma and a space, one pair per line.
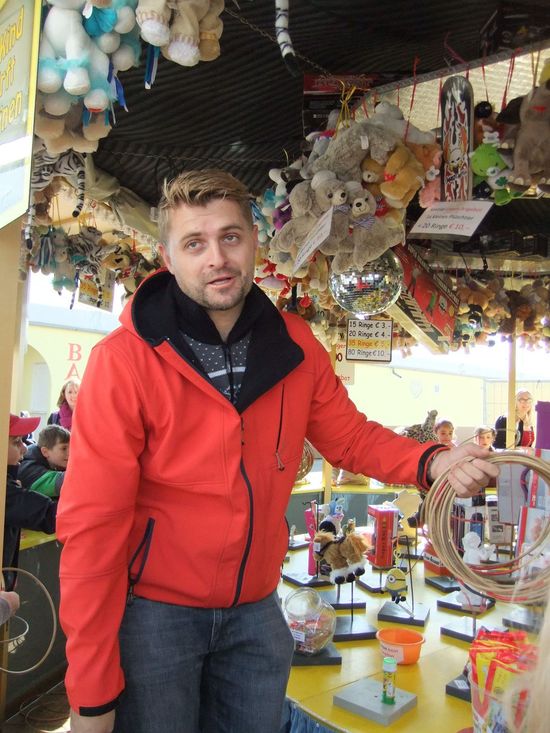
159, 311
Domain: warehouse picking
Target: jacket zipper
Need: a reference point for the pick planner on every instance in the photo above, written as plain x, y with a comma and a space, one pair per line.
144, 545
280, 464
249, 536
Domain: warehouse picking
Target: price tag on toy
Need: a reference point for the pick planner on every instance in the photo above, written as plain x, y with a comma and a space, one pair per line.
314, 239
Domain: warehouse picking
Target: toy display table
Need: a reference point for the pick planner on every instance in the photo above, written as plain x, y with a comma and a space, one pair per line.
441, 659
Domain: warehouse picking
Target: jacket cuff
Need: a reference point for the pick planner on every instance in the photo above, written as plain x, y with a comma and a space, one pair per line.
99, 709
424, 464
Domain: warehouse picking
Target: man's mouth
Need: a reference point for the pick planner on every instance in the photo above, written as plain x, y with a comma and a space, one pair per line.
222, 280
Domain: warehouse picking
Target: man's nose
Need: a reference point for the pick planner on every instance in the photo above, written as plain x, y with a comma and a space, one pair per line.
217, 255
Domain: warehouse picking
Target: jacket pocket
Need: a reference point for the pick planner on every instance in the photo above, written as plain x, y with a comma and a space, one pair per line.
139, 559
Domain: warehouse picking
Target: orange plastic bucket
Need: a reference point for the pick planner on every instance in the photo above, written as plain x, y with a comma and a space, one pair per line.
402, 644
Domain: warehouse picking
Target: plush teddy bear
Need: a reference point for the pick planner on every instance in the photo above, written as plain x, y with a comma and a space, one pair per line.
373, 175
430, 155
68, 57
347, 149
532, 148
330, 192
187, 34
370, 236
389, 117
309, 200
404, 176
65, 131
303, 216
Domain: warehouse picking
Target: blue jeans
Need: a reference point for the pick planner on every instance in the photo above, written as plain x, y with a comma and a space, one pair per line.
191, 670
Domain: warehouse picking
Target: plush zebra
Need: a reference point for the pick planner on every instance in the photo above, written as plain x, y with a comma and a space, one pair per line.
283, 37
45, 167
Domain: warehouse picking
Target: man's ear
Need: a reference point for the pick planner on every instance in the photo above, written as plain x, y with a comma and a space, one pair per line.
45, 451
165, 254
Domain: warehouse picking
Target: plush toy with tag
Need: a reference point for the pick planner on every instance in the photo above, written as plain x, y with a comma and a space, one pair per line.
309, 200
69, 58
187, 32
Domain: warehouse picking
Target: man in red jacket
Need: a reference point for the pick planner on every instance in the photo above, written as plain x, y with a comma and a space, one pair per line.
186, 439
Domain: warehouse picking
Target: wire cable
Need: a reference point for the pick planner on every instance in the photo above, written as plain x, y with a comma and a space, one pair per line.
507, 581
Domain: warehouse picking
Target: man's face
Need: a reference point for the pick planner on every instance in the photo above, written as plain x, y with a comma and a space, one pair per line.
211, 253
58, 456
16, 450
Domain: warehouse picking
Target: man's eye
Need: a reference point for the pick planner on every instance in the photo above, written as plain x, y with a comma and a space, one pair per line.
192, 245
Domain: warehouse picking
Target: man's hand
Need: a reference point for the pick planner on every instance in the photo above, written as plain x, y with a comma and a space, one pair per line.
467, 476
96, 724
12, 599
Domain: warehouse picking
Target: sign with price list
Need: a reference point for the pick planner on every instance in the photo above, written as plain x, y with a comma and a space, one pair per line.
369, 340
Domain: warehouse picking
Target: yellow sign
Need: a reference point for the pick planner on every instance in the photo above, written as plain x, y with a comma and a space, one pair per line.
19, 40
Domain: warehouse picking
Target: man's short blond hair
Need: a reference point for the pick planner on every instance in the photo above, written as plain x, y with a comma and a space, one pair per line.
198, 188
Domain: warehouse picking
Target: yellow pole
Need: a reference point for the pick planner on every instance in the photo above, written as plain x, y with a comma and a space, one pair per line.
511, 415
10, 310
327, 468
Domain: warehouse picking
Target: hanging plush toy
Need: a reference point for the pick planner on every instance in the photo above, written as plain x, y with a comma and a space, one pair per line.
68, 57
187, 31
532, 145
422, 432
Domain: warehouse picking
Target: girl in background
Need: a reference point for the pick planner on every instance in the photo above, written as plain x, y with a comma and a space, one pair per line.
525, 433
66, 404
445, 430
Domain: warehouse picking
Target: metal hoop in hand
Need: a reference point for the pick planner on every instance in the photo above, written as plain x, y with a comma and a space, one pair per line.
43, 658
437, 512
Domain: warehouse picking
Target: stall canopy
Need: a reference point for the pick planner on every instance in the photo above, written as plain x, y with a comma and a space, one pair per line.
243, 111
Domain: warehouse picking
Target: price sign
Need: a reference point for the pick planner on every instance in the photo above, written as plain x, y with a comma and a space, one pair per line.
369, 340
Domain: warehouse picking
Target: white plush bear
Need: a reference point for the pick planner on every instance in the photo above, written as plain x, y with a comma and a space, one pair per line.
69, 57
106, 23
187, 34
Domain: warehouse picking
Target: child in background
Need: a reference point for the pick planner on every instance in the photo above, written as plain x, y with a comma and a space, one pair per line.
485, 436
44, 464
444, 430
24, 509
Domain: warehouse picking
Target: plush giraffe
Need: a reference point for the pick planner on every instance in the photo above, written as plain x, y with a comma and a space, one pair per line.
422, 432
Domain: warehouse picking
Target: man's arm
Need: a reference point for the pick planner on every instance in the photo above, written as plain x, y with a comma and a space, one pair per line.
95, 517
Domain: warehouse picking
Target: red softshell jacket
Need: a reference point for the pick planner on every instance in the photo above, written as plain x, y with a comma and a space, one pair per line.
167, 477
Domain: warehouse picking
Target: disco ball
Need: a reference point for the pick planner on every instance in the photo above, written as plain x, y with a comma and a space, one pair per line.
371, 290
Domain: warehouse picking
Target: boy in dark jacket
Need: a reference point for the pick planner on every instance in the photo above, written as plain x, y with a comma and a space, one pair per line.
43, 466
24, 509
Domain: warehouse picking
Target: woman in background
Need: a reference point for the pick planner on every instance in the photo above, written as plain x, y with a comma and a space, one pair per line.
525, 433
66, 403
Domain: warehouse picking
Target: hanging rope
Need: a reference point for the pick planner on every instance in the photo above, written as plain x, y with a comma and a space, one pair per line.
507, 581
267, 35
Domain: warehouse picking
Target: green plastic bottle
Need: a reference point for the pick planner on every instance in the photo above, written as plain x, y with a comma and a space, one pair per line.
389, 667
